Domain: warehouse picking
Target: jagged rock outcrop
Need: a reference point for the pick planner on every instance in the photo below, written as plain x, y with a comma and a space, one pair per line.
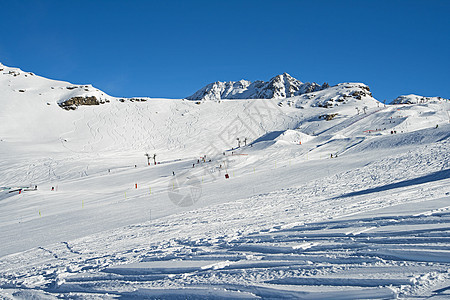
279, 87
74, 102
328, 117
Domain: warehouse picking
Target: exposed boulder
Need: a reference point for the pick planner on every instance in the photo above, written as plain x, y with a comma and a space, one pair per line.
328, 117
74, 102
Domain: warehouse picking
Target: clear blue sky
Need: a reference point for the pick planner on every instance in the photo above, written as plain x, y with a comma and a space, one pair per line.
173, 48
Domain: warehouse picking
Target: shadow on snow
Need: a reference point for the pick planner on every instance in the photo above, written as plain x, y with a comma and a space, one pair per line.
436, 176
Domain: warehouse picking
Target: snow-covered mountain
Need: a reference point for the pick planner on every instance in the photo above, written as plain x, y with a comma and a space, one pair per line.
416, 99
349, 93
35, 109
14, 81
279, 87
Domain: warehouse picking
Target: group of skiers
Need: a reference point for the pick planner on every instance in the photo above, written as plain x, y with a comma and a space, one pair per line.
202, 159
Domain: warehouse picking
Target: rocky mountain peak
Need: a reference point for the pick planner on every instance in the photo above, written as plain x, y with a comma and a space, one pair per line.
278, 87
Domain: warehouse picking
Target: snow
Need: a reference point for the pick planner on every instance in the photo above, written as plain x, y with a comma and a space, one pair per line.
290, 221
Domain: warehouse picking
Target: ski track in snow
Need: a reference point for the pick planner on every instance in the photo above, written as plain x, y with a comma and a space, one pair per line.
243, 248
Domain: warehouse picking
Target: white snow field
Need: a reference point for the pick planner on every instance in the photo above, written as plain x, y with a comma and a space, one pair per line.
290, 221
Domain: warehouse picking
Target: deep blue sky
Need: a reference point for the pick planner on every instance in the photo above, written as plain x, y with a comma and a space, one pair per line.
172, 48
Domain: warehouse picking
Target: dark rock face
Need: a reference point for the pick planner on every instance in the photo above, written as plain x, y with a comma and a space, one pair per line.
328, 117
131, 100
74, 102
359, 94
138, 99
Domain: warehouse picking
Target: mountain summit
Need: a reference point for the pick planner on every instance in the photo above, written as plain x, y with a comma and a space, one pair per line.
279, 87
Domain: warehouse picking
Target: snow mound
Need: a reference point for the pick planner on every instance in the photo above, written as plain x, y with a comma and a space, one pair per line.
294, 136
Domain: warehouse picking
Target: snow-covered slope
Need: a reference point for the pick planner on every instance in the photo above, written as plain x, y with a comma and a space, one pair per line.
289, 221
21, 85
279, 87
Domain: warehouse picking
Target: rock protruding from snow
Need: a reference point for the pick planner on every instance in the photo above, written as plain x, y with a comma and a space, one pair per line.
415, 99
279, 87
74, 102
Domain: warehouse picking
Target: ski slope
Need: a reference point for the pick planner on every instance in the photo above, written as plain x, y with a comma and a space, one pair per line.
290, 221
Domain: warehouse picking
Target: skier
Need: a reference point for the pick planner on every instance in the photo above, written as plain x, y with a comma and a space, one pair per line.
193, 165
173, 173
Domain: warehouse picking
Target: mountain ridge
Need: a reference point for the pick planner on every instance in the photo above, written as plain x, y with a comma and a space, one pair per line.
69, 96
279, 87
415, 99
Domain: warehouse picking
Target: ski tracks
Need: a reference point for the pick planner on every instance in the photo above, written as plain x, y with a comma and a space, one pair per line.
309, 237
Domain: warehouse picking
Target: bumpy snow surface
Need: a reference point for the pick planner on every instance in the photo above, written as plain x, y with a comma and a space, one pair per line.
326, 195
